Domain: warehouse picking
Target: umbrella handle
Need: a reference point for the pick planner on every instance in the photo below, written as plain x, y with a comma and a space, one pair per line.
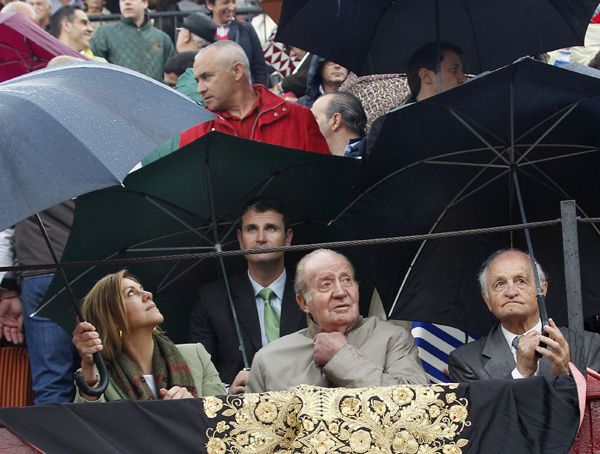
99, 389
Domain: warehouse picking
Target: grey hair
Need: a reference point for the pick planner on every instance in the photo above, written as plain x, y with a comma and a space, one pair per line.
300, 279
18, 7
351, 110
228, 54
201, 42
482, 277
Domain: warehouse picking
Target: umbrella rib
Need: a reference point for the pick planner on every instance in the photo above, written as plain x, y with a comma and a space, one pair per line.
540, 123
262, 185
553, 185
553, 158
77, 278
173, 216
458, 197
467, 164
464, 118
476, 134
396, 172
480, 187
163, 249
164, 283
548, 131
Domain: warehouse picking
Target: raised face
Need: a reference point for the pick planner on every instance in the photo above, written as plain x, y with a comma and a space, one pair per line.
331, 293
216, 81
139, 306
510, 289
451, 72
264, 229
332, 73
133, 9
94, 5
223, 11
319, 109
79, 31
42, 9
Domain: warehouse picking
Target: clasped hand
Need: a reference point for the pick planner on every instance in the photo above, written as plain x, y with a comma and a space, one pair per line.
326, 345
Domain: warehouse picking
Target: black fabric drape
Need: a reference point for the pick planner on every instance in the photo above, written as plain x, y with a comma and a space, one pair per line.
495, 416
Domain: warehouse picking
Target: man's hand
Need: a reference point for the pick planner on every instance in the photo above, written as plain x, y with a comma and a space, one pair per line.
11, 316
239, 382
526, 359
176, 392
326, 345
557, 352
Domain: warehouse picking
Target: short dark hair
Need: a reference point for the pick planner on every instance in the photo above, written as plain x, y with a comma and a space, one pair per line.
261, 204
351, 110
427, 56
178, 63
66, 12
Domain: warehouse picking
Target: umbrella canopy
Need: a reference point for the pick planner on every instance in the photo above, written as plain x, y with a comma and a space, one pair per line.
448, 163
72, 129
379, 36
26, 47
190, 201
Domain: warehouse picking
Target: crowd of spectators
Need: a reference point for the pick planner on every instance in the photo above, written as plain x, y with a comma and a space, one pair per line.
219, 60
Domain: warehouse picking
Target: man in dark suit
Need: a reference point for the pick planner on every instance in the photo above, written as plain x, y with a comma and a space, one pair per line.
264, 315
508, 289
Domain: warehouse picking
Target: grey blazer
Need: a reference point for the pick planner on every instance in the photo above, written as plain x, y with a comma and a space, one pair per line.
490, 357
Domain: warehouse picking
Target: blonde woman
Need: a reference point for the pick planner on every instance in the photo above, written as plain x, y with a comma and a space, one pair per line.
143, 364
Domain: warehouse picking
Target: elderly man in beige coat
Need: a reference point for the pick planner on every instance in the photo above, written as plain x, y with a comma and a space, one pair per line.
339, 348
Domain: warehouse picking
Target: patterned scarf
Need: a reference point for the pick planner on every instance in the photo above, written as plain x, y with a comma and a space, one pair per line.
168, 367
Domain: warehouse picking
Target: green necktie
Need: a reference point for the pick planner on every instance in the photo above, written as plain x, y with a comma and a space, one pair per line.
271, 316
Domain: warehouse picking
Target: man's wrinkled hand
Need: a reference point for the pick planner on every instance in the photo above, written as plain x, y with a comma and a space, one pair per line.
239, 382
557, 351
325, 345
527, 360
11, 317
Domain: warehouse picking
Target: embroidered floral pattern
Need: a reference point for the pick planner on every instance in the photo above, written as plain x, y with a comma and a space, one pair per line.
408, 419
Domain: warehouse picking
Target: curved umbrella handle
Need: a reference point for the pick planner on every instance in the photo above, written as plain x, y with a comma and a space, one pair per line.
99, 389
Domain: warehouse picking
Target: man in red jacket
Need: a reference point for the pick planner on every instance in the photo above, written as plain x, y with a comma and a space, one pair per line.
246, 110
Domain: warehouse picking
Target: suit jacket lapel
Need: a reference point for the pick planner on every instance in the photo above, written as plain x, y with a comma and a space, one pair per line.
291, 315
244, 302
501, 361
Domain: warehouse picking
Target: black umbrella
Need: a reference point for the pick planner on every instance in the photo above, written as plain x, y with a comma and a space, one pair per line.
451, 163
378, 36
191, 201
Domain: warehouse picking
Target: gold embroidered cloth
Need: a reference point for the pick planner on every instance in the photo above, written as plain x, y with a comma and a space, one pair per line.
402, 419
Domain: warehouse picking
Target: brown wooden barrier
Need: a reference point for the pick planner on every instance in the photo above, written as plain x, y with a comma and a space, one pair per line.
15, 377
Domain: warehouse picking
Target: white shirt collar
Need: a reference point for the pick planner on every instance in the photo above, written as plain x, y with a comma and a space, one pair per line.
278, 285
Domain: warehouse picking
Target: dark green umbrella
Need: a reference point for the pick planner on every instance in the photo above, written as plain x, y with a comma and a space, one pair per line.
190, 201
